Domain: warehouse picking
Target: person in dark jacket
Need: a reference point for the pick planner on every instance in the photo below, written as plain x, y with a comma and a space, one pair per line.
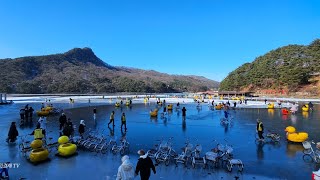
22, 114
81, 128
184, 112
70, 126
62, 120
310, 106
13, 133
144, 165
26, 114
31, 112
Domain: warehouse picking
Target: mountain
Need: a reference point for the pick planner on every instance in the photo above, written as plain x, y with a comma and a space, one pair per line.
292, 68
81, 71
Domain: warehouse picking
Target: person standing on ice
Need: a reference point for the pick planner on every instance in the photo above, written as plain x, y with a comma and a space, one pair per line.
260, 129
226, 114
94, 113
126, 169
123, 122
81, 128
62, 120
310, 105
184, 112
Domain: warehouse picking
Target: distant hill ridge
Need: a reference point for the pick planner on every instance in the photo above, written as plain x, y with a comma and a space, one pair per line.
81, 71
292, 68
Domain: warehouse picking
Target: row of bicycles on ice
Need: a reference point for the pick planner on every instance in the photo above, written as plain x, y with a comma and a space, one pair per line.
98, 142
219, 155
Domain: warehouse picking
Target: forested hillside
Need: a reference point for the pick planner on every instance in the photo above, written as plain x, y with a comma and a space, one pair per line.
292, 68
81, 71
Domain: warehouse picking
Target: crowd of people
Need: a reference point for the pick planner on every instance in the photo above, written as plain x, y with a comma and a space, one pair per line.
144, 166
26, 114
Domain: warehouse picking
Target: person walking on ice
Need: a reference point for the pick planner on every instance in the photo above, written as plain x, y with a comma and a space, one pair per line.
126, 169
123, 122
111, 119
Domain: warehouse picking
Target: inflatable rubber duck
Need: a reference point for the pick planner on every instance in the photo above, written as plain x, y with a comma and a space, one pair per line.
271, 106
43, 113
154, 113
218, 107
305, 108
38, 153
65, 148
285, 111
294, 136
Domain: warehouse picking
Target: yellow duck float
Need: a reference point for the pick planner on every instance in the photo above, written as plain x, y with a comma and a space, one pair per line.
294, 136
305, 108
170, 106
43, 113
271, 106
154, 113
65, 148
219, 107
38, 153
48, 108
117, 104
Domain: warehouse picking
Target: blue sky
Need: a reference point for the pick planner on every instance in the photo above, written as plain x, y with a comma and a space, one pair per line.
201, 37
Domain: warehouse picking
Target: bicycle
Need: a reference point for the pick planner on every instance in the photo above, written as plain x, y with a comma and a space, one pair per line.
103, 147
270, 136
51, 145
212, 156
185, 155
195, 156
309, 154
122, 148
24, 146
226, 121
227, 157
165, 152
151, 152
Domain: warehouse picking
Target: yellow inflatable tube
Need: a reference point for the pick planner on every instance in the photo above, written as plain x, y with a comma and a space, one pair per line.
38, 155
127, 103
117, 104
42, 113
169, 107
67, 149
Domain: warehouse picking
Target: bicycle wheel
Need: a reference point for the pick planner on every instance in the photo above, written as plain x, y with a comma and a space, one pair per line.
193, 165
122, 151
307, 151
229, 166
91, 147
317, 159
307, 158
104, 149
114, 149
240, 167
167, 162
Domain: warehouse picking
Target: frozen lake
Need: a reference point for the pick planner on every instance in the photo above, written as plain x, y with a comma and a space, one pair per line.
262, 161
